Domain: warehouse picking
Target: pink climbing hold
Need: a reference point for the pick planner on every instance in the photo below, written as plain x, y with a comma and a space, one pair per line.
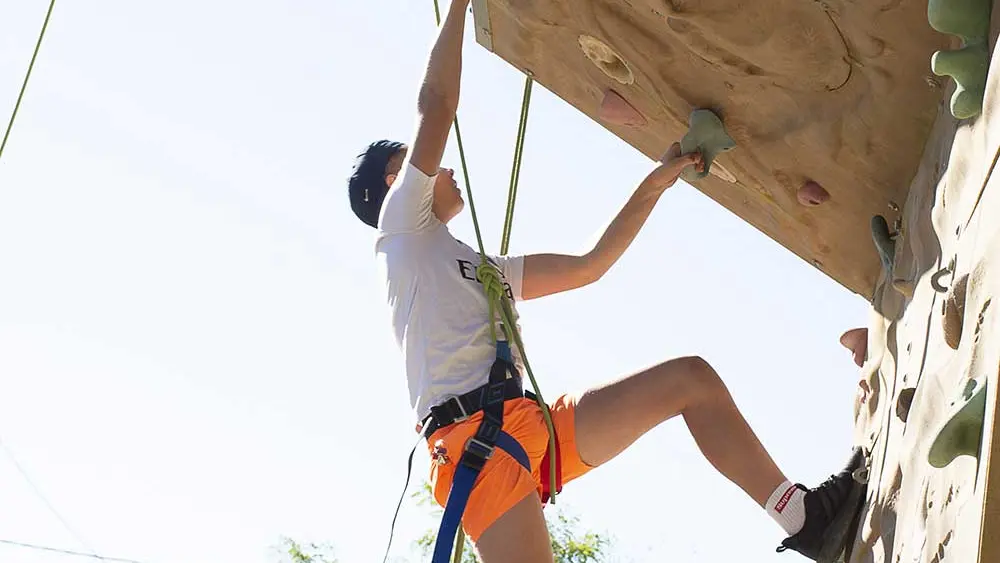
856, 340
615, 109
812, 194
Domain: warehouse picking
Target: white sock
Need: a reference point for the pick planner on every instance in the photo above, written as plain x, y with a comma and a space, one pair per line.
787, 506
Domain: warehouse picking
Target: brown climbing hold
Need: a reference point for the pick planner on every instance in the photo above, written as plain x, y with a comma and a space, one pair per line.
903, 403
856, 340
615, 109
812, 194
954, 312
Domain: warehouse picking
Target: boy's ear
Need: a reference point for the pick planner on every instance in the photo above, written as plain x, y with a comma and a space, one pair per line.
389, 179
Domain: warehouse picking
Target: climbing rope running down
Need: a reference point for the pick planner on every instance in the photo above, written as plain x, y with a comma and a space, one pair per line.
492, 284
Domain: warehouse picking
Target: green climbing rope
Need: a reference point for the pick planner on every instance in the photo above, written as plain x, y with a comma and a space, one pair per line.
515, 173
493, 286
27, 75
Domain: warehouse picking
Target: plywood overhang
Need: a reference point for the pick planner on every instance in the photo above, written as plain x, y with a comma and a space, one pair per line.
839, 93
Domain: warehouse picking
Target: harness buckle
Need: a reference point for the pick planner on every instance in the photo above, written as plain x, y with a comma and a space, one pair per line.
479, 451
454, 399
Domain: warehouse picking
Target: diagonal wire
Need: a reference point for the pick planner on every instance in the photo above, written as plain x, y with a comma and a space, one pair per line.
24, 85
52, 509
66, 551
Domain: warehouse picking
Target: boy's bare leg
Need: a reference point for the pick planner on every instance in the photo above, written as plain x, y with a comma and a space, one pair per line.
611, 417
519, 536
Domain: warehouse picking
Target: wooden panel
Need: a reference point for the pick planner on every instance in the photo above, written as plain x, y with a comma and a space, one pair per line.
835, 92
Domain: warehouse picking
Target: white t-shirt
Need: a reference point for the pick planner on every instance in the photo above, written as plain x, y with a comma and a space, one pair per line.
438, 309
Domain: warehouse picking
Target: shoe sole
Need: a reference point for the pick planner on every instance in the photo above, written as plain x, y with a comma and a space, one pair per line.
834, 539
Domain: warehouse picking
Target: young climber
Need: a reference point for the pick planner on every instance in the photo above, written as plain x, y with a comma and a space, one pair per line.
439, 317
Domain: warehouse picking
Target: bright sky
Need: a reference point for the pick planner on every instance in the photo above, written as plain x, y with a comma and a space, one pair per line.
193, 356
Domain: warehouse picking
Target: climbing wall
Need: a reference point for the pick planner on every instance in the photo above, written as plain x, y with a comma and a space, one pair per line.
928, 386
829, 102
866, 136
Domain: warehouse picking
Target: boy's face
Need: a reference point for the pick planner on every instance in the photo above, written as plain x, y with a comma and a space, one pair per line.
448, 200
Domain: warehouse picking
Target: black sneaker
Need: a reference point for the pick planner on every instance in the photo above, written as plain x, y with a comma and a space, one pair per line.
830, 510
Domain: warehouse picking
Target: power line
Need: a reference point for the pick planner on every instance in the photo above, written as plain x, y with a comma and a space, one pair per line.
67, 552
52, 509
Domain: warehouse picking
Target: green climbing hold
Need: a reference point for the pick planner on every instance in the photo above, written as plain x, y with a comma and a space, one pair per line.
969, 65
883, 241
708, 135
963, 432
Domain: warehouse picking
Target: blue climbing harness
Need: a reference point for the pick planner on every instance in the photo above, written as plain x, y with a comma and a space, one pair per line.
490, 399
479, 450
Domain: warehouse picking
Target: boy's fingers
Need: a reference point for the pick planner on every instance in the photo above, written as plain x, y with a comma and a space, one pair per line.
673, 152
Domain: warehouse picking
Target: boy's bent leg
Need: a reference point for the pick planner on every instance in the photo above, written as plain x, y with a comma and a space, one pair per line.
520, 535
611, 417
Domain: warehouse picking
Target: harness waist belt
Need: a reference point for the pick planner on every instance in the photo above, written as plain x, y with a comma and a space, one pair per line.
457, 409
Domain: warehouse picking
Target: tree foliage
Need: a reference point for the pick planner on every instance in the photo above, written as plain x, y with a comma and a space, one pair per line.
291, 551
570, 543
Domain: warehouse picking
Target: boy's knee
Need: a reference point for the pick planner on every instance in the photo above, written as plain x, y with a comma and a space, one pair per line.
701, 382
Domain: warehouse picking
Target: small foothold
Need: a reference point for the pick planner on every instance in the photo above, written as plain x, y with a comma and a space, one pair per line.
905, 287
856, 340
883, 241
962, 433
616, 109
894, 206
936, 280
812, 194
707, 135
904, 401
954, 312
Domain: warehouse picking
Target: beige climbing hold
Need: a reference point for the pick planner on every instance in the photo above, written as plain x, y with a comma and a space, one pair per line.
856, 340
812, 194
954, 312
616, 109
606, 59
906, 287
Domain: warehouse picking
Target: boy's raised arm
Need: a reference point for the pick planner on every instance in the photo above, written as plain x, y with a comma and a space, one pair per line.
437, 101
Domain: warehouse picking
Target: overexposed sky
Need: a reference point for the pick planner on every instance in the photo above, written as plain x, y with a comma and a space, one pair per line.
192, 347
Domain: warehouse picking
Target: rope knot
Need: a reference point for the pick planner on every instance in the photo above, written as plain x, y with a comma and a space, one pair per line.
489, 276
491, 280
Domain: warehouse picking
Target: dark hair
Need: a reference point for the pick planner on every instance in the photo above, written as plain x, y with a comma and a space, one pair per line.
367, 186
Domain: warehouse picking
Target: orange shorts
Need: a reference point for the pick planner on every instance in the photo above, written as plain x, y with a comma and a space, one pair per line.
503, 481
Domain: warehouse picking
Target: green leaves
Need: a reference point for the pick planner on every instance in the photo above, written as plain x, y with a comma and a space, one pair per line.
570, 542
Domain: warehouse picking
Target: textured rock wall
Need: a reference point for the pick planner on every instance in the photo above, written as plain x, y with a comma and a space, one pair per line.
928, 384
